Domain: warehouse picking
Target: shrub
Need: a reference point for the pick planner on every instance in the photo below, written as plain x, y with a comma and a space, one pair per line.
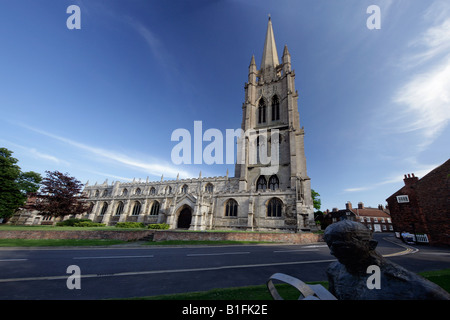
162, 226
88, 224
71, 222
130, 225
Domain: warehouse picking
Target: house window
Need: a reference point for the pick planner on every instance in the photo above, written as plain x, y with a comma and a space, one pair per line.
155, 209
274, 208
262, 111
275, 108
403, 199
274, 183
375, 219
136, 208
119, 209
231, 208
389, 220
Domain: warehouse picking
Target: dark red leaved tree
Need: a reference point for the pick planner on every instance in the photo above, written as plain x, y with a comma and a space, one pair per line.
60, 195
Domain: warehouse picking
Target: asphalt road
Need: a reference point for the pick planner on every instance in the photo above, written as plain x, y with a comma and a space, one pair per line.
135, 271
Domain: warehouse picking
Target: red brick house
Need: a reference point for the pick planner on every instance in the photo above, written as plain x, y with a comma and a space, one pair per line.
422, 206
375, 219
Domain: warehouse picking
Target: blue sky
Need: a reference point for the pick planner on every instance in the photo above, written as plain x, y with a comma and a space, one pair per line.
102, 102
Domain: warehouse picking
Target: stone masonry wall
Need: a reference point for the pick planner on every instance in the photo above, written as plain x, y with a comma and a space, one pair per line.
160, 235
299, 238
50, 234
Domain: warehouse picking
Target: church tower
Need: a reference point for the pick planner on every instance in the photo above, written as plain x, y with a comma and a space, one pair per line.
273, 156
270, 190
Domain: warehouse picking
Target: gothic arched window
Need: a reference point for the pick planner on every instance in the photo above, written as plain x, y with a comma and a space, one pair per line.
136, 209
104, 208
138, 191
262, 111
184, 189
209, 188
274, 183
90, 208
155, 208
152, 190
274, 207
261, 184
231, 208
275, 108
119, 209
125, 192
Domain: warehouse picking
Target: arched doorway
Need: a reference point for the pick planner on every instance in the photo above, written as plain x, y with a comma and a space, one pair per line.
184, 218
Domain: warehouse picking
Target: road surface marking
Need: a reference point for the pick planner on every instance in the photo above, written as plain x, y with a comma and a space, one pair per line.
137, 273
8, 260
113, 257
298, 250
215, 254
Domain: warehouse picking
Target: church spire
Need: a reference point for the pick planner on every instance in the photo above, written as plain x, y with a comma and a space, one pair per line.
270, 55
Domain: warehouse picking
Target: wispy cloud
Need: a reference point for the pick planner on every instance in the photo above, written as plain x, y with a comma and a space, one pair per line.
153, 42
424, 100
111, 175
357, 189
33, 152
396, 178
155, 169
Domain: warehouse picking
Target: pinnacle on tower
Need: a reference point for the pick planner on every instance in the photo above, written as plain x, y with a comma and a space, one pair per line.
286, 60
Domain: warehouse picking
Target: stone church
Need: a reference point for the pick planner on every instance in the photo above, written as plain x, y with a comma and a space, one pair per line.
263, 196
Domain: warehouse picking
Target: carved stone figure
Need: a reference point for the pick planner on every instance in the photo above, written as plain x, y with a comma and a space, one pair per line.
352, 244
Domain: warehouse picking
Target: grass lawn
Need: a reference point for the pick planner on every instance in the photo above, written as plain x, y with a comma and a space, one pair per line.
240, 293
56, 242
56, 228
440, 277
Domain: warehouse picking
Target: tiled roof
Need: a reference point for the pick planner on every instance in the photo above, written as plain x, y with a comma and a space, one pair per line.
371, 212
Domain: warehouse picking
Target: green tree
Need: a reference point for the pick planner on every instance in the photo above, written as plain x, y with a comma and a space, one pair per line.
14, 184
60, 195
316, 200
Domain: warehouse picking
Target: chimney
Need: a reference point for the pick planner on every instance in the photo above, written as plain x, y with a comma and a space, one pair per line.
380, 207
410, 180
348, 205
360, 205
